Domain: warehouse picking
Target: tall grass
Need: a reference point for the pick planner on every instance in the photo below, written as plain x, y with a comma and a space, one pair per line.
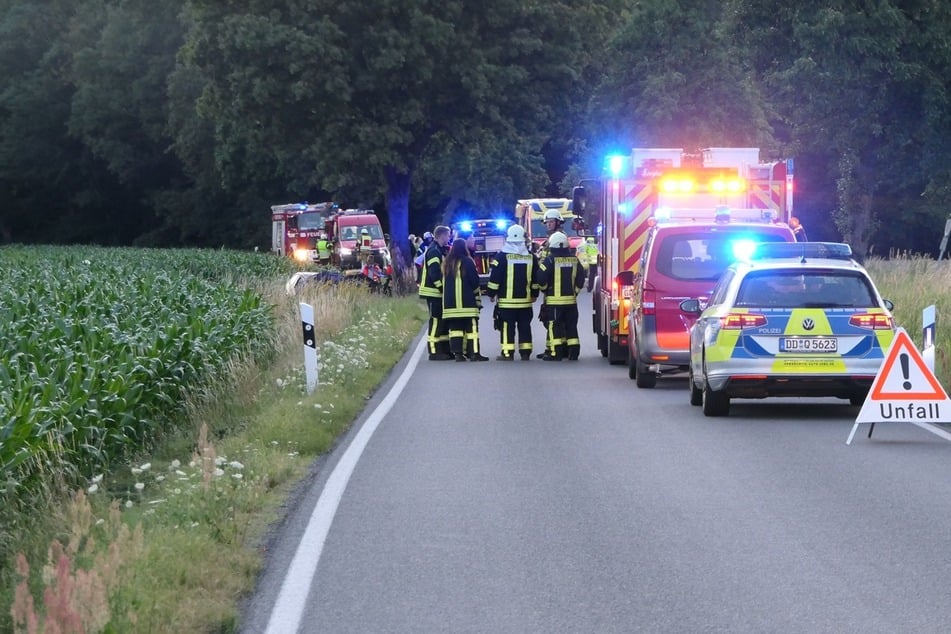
913, 283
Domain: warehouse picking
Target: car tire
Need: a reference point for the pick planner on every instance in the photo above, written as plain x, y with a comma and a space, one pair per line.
714, 403
645, 378
696, 393
631, 366
603, 345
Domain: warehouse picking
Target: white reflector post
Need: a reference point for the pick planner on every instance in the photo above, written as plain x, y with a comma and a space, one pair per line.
927, 335
310, 346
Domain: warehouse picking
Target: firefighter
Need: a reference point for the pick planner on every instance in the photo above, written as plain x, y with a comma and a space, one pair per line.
366, 242
561, 278
323, 249
588, 256
553, 222
461, 303
513, 285
798, 230
431, 289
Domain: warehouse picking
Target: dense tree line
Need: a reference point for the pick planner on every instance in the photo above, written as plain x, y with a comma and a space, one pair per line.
179, 122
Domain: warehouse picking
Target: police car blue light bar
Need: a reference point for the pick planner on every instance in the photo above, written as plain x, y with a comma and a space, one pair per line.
465, 225
501, 223
827, 250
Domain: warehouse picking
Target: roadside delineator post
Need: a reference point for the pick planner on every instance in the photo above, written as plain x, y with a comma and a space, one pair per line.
310, 346
927, 335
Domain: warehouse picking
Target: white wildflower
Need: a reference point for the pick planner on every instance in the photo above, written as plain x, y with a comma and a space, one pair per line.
129, 504
234, 464
136, 471
159, 478
237, 476
92, 489
139, 486
146, 466
175, 464
97, 479
219, 472
100, 522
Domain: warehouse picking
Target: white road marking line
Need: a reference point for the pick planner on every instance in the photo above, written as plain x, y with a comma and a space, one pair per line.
289, 608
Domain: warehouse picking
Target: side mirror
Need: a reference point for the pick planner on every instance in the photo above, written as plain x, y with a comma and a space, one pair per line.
579, 198
889, 304
691, 306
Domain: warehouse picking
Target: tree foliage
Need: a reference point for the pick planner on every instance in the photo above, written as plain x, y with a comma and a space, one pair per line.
180, 121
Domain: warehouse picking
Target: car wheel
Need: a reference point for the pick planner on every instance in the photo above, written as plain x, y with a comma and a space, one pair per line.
714, 403
631, 366
603, 345
645, 378
696, 394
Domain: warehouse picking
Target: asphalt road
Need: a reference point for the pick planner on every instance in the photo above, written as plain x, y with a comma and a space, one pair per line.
557, 497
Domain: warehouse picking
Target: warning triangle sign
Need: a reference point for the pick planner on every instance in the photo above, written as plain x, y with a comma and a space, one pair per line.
905, 389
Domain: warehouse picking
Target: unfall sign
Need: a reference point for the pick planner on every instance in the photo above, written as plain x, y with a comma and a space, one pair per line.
905, 390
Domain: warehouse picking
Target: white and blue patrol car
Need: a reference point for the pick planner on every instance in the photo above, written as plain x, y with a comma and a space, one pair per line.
795, 319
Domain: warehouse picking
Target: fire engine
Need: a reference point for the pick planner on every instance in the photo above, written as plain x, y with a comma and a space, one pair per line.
530, 214
347, 229
295, 228
667, 184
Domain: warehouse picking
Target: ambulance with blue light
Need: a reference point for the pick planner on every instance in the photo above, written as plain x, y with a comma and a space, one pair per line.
799, 319
652, 186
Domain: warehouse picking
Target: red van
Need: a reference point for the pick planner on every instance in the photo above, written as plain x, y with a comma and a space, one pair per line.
682, 261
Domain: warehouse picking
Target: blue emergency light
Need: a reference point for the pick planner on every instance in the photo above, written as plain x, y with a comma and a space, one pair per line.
501, 223
825, 250
616, 164
465, 225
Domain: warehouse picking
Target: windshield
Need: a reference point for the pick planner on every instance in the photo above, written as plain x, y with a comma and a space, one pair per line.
310, 222
540, 232
703, 256
353, 232
806, 288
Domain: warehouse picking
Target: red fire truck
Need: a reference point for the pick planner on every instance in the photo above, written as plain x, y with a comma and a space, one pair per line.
661, 185
296, 227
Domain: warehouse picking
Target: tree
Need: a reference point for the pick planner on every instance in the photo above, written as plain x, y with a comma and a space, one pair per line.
352, 97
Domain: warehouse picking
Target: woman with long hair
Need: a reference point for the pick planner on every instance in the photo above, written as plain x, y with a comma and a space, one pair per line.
461, 302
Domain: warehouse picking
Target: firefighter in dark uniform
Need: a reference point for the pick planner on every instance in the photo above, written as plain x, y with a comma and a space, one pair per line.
561, 278
461, 302
431, 289
513, 285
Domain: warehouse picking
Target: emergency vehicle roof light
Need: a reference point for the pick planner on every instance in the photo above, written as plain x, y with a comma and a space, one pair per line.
302, 206
743, 249
615, 165
827, 250
662, 214
501, 223
465, 225
721, 214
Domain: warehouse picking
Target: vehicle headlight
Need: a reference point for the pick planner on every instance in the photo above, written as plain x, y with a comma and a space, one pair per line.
301, 255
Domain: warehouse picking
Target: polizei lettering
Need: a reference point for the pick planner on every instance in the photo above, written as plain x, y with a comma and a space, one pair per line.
911, 411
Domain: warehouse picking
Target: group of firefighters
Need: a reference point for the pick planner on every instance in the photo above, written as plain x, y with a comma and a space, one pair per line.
449, 282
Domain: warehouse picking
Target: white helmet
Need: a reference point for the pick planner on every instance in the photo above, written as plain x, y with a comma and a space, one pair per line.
558, 240
553, 214
515, 234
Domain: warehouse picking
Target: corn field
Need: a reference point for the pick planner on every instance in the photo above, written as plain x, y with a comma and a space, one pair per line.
98, 347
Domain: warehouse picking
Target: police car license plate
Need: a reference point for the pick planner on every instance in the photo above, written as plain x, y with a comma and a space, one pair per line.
808, 344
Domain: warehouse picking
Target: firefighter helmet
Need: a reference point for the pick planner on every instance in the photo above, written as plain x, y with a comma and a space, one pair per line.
515, 234
553, 214
558, 240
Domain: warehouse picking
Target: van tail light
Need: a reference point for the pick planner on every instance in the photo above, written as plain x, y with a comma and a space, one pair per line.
872, 321
739, 321
648, 300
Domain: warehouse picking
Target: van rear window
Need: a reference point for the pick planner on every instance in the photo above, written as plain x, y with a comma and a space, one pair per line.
703, 256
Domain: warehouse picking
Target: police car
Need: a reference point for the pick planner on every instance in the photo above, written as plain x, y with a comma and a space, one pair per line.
794, 319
